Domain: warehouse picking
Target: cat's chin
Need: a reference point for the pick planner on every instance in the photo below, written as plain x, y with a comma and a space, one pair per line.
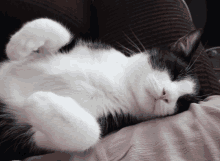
163, 109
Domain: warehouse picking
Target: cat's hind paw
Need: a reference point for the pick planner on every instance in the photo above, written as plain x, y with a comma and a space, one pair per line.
60, 123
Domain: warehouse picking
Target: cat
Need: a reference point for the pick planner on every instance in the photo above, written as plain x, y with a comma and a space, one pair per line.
67, 99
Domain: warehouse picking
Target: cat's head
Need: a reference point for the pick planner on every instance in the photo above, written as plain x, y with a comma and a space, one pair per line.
168, 76
178, 85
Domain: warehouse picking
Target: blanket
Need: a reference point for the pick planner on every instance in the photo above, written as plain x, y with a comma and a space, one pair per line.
192, 135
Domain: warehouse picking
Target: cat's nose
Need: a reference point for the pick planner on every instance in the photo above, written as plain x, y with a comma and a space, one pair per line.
164, 96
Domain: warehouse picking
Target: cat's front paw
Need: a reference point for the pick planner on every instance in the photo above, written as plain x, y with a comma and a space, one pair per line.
60, 123
22, 44
35, 34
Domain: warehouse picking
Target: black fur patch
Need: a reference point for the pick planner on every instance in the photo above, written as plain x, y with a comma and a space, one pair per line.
113, 123
16, 138
163, 59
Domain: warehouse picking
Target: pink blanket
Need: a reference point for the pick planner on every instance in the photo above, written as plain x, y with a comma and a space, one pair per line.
192, 135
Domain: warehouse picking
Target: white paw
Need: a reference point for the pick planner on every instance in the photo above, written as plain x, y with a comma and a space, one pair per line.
61, 120
23, 44
35, 34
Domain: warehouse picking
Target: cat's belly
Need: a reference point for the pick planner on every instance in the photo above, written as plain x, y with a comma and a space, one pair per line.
101, 103
96, 102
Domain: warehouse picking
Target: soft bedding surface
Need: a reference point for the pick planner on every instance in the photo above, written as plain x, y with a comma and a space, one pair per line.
192, 135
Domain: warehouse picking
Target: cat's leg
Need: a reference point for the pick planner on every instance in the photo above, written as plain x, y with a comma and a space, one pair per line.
60, 123
38, 33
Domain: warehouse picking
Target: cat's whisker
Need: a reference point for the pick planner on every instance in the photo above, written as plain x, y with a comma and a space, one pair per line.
28, 142
184, 75
194, 68
184, 72
188, 68
201, 98
181, 72
20, 135
138, 40
115, 120
209, 94
32, 147
130, 52
16, 146
127, 52
132, 43
3, 141
206, 44
200, 52
9, 148
198, 56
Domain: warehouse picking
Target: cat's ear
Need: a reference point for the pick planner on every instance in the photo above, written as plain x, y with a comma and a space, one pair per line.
187, 44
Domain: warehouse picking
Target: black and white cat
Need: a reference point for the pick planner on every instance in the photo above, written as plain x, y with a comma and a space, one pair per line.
65, 96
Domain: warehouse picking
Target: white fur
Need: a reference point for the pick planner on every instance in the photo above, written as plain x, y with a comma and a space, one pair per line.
62, 95
43, 32
62, 123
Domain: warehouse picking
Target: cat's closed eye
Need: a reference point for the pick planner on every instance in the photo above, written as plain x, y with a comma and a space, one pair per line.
164, 92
